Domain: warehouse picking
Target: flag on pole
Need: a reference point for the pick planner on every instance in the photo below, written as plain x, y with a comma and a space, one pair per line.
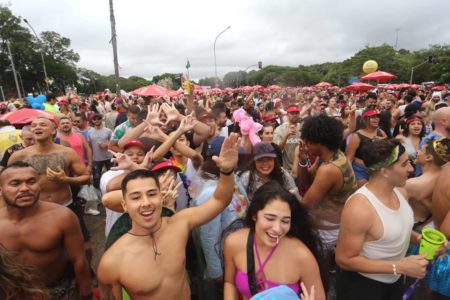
188, 65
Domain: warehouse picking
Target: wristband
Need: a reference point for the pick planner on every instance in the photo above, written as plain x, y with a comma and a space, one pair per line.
227, 173
394, 269
304, 165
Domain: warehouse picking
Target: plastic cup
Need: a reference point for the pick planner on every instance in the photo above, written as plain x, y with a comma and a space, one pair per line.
432, 240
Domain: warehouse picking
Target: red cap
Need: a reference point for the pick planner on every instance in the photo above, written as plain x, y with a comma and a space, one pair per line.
370, 113
269, 118
293, 109
134, 143
166, 165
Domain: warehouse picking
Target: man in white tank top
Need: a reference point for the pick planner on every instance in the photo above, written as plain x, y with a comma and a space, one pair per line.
376, 229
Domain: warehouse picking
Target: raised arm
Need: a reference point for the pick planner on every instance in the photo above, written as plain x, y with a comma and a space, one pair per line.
351, 147
227, 162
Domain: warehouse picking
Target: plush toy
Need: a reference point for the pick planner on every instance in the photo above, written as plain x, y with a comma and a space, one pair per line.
36, 102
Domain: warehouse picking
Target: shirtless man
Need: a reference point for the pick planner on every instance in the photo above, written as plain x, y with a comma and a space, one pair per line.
419, 190
441, 195
44, 235
149, 261
53, 163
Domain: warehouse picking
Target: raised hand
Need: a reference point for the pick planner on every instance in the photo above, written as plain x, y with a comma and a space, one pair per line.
153, 113
305, 295
154, 132
171, 112
123, 161
228, 158
146, 163
187, 123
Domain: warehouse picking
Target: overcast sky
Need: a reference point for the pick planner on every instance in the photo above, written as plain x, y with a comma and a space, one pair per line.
156, 36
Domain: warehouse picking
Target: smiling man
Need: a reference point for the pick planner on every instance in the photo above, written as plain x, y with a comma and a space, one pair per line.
149, 261
376, 229
53, 163
44, 235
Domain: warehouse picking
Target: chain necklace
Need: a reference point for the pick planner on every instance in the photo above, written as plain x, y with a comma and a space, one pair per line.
154, 245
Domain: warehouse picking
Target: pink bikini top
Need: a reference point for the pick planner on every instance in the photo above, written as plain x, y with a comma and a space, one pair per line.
241, 278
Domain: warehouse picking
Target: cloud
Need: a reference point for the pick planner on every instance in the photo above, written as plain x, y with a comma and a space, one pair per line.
155, 37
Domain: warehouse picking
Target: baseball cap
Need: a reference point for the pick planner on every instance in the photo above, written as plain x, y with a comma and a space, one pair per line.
370, 113
134, 143
216, 144
166, 165
270, 117
263, 149
293, 109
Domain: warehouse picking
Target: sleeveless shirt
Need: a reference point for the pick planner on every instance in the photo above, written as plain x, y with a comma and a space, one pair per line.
330, 208
397, 226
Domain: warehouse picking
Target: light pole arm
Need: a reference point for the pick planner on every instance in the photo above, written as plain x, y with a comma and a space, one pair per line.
412, 71
42, 52
215, 40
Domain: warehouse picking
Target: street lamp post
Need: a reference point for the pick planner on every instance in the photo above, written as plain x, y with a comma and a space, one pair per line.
13, 69
215, 62
42, 53
412, 71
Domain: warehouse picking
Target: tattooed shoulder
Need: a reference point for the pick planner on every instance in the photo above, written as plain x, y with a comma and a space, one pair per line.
41, 162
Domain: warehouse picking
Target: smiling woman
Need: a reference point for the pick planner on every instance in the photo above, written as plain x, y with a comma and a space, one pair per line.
278, 233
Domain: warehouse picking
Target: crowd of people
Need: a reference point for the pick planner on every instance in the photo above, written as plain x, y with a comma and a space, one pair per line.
285, 194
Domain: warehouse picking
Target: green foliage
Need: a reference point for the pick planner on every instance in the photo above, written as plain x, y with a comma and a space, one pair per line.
338, 73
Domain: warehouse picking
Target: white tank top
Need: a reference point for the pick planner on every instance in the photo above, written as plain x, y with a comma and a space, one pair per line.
397, 226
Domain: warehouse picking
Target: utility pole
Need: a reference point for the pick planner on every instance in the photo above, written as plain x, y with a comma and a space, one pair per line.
3, 94
396, 38
114, 45
14, 70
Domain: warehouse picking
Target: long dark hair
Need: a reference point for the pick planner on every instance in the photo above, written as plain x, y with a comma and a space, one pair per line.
277, 175
301, 227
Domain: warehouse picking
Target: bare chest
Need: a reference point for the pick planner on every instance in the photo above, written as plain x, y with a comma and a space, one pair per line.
145, 273
41, 162
30, 237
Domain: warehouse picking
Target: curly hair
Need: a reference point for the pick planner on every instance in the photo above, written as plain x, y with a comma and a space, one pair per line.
379, 150
323, 130
18, 281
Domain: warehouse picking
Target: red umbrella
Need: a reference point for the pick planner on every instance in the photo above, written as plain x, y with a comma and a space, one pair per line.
152, 90
274, 87
176, 93
26, 116
359, 87
379, 76
403, 86
216, 91
228, 89
323, 84
438, 88
307, 89
258, 88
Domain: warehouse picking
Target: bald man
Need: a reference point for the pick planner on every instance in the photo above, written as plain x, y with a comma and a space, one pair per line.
54, 163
